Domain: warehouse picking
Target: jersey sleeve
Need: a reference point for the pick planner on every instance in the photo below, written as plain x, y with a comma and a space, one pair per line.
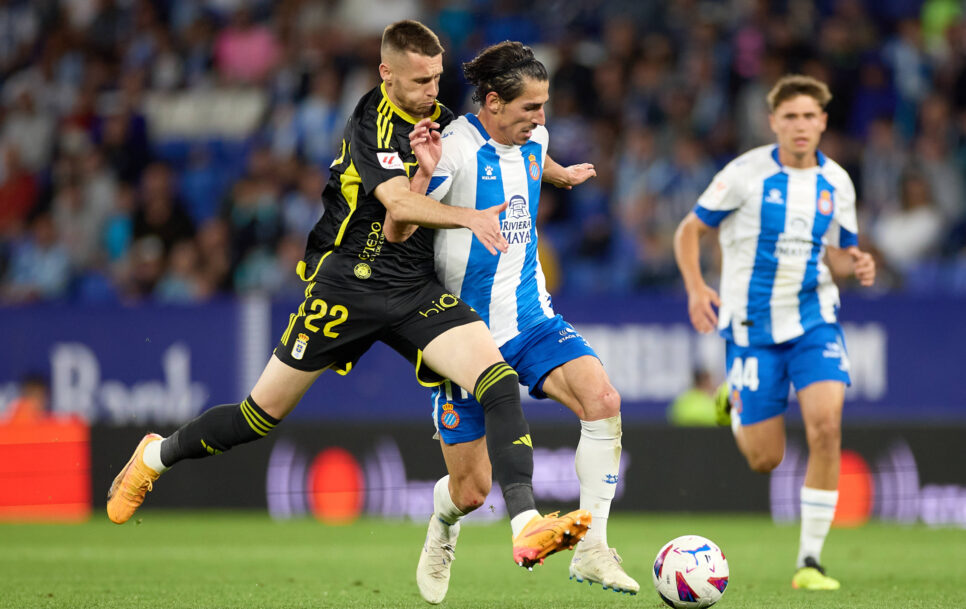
447, 168
375, 164
723, 196
843, 231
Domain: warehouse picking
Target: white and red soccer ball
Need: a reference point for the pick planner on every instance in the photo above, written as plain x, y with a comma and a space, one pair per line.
690, 572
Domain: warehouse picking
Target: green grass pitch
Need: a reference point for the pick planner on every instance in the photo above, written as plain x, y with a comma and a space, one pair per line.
215, 559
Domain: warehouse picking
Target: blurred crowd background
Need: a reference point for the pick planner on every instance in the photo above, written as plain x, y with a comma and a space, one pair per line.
175, 150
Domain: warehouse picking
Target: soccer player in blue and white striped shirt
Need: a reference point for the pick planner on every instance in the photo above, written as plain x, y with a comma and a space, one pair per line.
498, 158
779, 209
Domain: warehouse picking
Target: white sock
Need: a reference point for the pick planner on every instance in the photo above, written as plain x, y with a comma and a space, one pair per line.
818, 510
443, 507
598, 463
520, 520
152, 457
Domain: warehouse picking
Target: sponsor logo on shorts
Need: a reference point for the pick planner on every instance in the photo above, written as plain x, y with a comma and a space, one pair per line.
610, 478
362, 271
446, 301
298, 351
832, 351
450, 418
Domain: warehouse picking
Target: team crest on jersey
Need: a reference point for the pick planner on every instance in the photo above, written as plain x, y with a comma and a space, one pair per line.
362, 270
825, 204
534, 168
298, 351
488, 173
449, 418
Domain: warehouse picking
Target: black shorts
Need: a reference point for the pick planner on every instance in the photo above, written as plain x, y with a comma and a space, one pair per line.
336, 325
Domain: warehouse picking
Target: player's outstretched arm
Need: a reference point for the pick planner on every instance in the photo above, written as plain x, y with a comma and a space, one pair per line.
427, 145
407, 207
687, 253
567, 177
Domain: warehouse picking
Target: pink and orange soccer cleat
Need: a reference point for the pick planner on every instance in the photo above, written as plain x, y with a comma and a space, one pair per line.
545, 535
131, 485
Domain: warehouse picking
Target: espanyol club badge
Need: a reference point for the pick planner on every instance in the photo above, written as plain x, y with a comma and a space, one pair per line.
298, 351
450, 419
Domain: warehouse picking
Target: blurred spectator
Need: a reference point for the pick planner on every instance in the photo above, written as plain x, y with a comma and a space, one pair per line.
31, 405
246, 52
694, 407
906, 236
30, 131
159, 213
18, 193
39, 267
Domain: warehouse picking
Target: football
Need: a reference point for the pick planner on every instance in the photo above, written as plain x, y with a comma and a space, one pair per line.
690, 572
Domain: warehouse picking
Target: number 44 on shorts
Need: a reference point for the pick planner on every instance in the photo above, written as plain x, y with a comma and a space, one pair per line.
744, 373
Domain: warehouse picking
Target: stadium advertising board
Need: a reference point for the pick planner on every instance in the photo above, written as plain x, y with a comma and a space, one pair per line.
163, 365
338, 473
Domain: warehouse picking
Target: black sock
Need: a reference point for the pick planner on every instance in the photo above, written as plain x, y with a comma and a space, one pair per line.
217, 430
507, 436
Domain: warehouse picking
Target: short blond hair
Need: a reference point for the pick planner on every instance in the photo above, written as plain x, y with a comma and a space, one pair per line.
410, 35
793, 85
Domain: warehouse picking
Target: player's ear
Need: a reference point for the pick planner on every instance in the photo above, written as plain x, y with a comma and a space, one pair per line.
385, 72
493, 102
771, 122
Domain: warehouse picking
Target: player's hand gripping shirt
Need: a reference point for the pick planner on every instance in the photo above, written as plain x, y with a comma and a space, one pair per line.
348, 241
507, 290
775, 222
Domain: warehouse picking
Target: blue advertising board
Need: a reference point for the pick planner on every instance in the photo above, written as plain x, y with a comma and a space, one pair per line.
154, 364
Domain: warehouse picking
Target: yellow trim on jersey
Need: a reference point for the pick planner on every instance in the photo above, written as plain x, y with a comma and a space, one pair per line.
419, 363
339, 160
350, 182
437, 108
300, 268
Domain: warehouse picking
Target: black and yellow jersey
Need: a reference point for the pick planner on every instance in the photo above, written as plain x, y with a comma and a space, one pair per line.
347, 244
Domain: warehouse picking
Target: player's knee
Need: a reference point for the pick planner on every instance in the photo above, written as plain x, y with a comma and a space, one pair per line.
471, 493
764, 462
825, 435
605, 404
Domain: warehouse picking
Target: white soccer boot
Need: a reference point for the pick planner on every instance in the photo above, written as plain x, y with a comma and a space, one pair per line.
601, 564
439, 552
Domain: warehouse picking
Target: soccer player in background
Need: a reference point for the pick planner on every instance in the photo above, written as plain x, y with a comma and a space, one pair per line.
497, 155
779, 210
361, 288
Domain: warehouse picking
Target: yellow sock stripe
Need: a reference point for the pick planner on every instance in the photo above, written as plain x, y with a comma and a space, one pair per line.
210, 450
496, 374
249, 415
264, 423
498, 370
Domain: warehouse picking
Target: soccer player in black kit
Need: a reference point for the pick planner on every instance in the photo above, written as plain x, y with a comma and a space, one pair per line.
361, 289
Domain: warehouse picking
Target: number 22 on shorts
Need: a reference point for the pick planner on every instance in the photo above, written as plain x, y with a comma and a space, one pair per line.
744, 373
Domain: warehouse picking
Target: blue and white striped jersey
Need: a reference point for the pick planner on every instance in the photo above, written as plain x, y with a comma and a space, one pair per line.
507, 290
775, 222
